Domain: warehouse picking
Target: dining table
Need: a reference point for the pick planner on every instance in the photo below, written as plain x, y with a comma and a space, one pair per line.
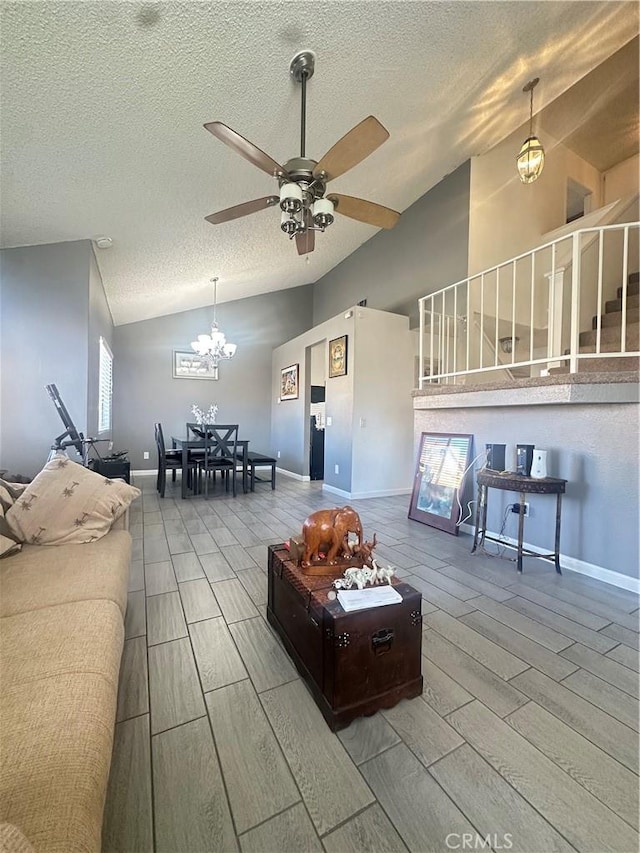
186, 445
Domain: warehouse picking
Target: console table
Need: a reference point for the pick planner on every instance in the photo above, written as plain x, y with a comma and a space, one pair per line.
524, 485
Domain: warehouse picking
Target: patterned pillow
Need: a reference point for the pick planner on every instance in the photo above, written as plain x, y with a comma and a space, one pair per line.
67, 503
9, 542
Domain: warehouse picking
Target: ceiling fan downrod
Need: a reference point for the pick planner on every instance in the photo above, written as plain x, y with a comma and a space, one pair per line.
301, 69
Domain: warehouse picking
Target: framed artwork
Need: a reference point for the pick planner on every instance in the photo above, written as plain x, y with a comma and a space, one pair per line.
338, 357
443, 461
189, 365
289, 382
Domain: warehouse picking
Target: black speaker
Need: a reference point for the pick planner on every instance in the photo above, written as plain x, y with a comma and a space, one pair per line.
496, 456
524, 458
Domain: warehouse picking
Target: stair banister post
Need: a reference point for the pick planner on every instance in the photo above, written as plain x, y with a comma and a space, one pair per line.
554, 326
575, 303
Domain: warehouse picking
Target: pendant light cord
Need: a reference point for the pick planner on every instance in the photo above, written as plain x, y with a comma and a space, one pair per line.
215, 299
531, 111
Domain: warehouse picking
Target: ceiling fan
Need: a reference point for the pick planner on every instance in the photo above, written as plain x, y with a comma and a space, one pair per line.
302, 182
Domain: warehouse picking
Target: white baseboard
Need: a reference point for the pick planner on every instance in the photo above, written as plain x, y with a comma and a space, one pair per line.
385, 493
335, 491
581, 567
303, 478
145, 472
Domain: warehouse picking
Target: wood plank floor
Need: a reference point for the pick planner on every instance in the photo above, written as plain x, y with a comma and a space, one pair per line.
525, 737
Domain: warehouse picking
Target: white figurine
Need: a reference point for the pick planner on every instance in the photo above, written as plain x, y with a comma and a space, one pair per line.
383, 574
364, 576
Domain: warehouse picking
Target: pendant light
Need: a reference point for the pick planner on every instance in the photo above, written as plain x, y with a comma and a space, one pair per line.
214, 347
530, 160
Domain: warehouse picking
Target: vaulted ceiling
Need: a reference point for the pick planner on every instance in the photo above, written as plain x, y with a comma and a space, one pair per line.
102, 107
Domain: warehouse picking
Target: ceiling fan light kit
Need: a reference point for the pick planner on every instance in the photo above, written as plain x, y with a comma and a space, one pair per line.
302, 182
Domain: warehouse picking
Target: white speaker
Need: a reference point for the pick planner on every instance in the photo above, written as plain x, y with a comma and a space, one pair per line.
539, 464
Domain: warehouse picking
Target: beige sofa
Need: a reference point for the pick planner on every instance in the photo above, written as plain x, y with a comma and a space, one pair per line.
62, 632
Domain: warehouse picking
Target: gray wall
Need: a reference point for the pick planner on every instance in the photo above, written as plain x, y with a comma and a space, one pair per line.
145, 390
44, 338
594, 447
427, 250
369, 407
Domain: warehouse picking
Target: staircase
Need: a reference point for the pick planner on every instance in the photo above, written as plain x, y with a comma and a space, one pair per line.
611, 335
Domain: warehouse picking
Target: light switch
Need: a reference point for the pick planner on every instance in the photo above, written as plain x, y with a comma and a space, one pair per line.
363, 422
329, 421
336, 469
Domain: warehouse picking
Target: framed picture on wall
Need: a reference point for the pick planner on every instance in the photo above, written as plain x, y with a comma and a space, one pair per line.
443, 461
338, 357
189, 365
289, 382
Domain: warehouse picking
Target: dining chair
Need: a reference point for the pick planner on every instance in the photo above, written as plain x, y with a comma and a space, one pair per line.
169, 460
220, 452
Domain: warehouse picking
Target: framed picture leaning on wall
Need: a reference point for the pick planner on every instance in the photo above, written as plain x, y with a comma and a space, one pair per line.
443, 461
289, 382
338, 357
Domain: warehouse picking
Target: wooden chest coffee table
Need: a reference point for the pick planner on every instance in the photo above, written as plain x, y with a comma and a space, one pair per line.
354, 663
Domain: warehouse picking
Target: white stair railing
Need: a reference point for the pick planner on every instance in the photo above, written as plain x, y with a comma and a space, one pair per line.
532, 310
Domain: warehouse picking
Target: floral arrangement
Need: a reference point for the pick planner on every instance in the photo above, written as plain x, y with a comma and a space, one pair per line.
201, 417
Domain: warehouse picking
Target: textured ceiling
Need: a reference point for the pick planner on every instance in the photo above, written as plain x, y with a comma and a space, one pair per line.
598, 116
102, 107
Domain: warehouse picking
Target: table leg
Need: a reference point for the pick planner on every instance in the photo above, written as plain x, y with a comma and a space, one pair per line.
482, 496
520, 530
557, 550
185, 468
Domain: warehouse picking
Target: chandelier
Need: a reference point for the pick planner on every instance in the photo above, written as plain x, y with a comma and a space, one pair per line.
214, 347
530, 160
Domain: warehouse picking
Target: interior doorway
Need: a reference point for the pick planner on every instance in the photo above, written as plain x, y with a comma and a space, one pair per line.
579, 200
317, 410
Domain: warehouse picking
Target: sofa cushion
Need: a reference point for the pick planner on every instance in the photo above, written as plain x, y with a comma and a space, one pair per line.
12, 840
67, 503
40, 576
55, 752
82, 636
9, 492
9, 542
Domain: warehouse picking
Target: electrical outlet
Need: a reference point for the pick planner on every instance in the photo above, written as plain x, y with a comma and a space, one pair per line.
336, 469
363, 422
516, 508
145, 455
278, 454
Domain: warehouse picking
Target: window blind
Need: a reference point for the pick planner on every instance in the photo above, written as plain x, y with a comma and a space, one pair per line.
105, 391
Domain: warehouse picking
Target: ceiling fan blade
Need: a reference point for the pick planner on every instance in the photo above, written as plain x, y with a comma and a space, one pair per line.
245, 149
306, 241
364, 211
243, 209
362, 140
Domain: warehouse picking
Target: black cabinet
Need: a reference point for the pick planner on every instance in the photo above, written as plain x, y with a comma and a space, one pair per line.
112, 469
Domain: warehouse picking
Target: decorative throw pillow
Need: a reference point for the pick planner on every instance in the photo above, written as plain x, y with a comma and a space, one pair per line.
67, 503
9, 542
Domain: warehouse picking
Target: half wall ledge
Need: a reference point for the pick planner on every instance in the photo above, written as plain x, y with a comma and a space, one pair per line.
582, 388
